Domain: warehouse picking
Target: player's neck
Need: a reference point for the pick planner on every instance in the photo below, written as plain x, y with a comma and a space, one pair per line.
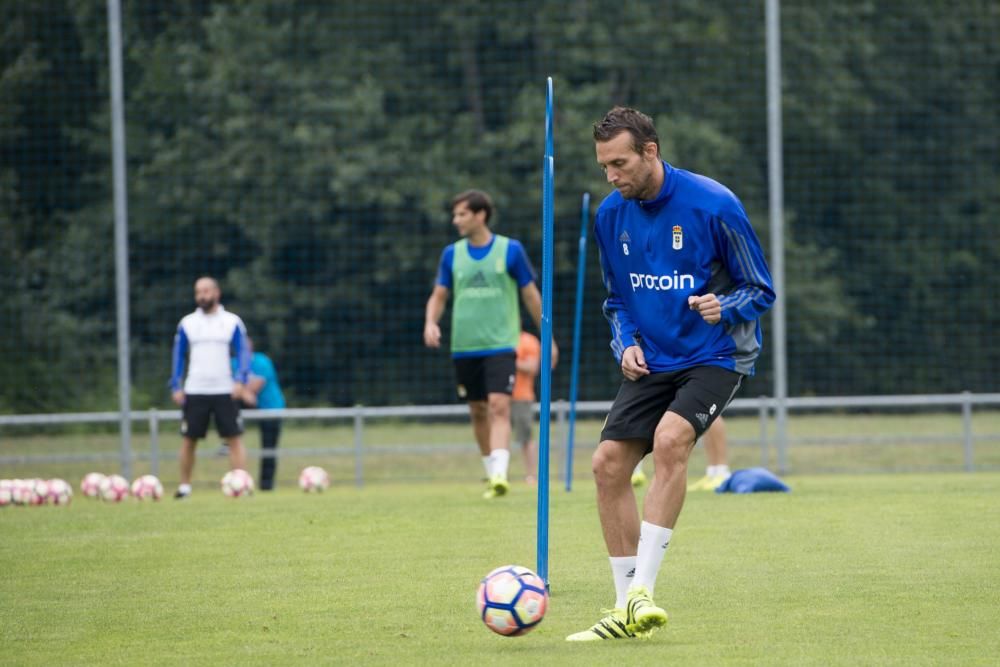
655, 183
480, 237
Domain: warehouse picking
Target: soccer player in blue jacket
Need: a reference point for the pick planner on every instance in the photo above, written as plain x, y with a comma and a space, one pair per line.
687, 283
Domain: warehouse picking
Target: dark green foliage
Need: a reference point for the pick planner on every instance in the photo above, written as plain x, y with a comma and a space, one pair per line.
304, 153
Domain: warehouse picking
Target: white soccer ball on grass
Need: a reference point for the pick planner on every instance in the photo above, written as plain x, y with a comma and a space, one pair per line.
114, 488
147, 487
237, 483
90, 485
60, 492
314, 480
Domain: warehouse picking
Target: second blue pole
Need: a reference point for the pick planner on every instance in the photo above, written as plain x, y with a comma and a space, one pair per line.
581, 270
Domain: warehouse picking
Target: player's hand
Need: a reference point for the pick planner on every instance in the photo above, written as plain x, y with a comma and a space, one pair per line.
237, 392
178, 397
634, 363
707, 306
555, 353
432, 335
248, 397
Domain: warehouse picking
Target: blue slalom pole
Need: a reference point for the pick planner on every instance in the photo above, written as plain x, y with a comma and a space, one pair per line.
548, 231
581, 266
550, 147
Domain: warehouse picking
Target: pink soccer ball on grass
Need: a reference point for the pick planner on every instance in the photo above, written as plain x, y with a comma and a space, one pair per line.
114, 489
314, 480
512, 600
147, 487
60, 492
90, 485
39, 491
20, 491
237, 483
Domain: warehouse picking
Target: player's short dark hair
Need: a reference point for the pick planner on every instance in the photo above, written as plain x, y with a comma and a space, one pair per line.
476, 200
625, 119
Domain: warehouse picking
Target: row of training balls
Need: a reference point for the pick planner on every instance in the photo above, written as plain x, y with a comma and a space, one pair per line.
115, 488
35, 492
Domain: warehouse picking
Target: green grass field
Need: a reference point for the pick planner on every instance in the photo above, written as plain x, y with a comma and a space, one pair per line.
872, 569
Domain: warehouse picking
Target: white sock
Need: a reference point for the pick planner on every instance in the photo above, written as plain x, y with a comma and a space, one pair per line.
623, 570
184, 489
653, 543
499, 462
638, 468
710, 471
486, 465
722, 471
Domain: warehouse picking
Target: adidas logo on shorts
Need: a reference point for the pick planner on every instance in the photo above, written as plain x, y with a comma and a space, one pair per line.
702, 417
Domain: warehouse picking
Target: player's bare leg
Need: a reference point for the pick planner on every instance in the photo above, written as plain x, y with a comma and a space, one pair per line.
237, 453
715, 444
479, 414
499, 421
613, 462
672, 443
717, 472
187, 455
530, 449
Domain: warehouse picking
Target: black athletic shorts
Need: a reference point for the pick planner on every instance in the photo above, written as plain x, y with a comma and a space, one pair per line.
697, 394
199, 407
477, 377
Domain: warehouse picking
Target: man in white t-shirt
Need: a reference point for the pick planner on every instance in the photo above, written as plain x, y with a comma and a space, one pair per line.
206, 339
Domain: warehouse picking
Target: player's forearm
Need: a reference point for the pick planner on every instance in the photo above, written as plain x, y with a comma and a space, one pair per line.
533, 302
434, 310
747, 303
624, 333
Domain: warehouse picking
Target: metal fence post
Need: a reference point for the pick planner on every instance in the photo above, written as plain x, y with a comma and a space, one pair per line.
154, 442
967, 431
763, 413
359, 430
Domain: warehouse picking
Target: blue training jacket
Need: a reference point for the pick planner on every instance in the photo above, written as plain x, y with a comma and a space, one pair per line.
693, 239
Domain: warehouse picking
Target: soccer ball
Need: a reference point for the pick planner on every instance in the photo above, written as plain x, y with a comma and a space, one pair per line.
60, 492
114, 488
39, 491
314, 479
147, 487
90, 486
20, 491
512, 600
6, 492
236, 483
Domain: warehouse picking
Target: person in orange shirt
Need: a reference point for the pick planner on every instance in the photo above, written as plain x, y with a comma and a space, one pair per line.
522, 407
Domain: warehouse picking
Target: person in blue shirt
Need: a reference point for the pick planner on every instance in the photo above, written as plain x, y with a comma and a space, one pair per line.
687, 284
263, 391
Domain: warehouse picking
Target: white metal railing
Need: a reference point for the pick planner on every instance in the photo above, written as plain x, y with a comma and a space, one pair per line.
764, 406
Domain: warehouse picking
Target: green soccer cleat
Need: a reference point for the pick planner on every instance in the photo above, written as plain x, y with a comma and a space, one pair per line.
498, 486
703, 484
641, 613
638, 478
611, 626
708, 483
